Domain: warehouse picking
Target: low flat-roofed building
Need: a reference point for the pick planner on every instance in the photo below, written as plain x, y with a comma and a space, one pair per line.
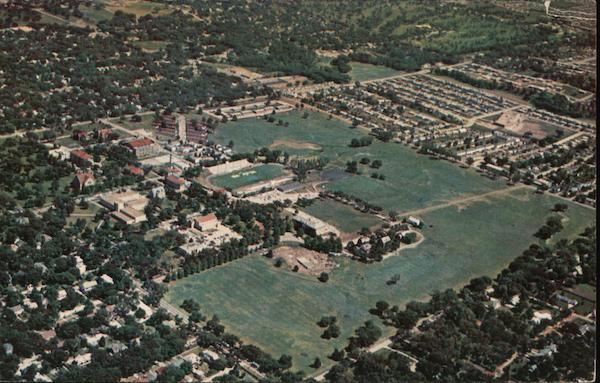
312, 225
128, 207
157, 192
290, 186
118, 200
129, 216
87, 286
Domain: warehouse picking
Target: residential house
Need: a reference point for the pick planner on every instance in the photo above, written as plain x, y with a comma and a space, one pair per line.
80, 158
174, 182
83, 179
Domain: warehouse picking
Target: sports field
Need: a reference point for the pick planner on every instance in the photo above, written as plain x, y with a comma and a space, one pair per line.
277, 309
344, 217
363, 72
325, 137
247, 176
137, 7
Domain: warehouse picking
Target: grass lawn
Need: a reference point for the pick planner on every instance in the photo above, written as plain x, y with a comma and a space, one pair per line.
247, 176
68, 142
86, 214
277, 309
138, 7
147, 123
50, 19
331, 137
342, 216
363, 72
411, 180
95, 15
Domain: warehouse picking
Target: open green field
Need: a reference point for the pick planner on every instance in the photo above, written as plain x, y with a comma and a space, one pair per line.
277, 309
412, 180
95, 15
247, 176
138, 7
342, 216
363, 72
147, 123
51, 19
327, 138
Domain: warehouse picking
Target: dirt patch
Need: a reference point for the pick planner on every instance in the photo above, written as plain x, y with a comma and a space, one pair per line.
308, 261
294, 79
332, 53
295, 144
519, 123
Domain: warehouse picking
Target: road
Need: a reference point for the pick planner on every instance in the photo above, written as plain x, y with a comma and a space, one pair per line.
461, 200
181, 127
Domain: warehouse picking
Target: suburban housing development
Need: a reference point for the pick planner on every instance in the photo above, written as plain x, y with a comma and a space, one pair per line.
287, 191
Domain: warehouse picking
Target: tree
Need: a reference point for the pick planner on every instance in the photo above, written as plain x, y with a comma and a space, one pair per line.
366, 335
337, 355
376, 164
560, 207
323, 277
333, 331
316, 364
381, 307
326, 321
285, 362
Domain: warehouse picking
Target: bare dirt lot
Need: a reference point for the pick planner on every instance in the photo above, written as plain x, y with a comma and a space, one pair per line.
520, 123
308, 261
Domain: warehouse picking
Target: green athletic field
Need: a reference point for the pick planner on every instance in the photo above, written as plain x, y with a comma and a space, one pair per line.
247, 176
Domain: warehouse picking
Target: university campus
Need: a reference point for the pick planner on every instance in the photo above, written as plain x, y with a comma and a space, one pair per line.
287, 191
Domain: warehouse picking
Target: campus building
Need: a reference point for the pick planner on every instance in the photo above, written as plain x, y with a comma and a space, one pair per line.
142, 147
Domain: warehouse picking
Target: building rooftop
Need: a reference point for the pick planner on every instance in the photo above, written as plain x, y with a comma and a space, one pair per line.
81, 154
206, 218
139, 142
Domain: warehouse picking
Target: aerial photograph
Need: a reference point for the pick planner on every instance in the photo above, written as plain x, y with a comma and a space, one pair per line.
286, 191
